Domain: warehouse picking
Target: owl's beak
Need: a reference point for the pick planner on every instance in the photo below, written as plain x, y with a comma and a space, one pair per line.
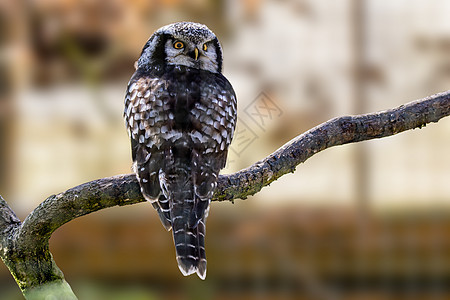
195, 53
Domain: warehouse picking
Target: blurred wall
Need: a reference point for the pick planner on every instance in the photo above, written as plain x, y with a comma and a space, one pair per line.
294, 64
67, 63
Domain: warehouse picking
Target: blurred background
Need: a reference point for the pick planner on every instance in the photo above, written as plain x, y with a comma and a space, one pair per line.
360, 221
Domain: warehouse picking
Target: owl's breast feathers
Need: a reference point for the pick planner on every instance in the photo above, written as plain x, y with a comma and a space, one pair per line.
184, 105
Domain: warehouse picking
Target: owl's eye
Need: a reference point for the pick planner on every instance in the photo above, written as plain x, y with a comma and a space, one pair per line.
178, 45
205, 47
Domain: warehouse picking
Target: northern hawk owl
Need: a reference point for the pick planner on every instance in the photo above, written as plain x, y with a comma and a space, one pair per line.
180, 112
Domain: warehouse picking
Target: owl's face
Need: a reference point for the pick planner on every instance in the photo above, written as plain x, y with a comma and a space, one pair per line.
186, 44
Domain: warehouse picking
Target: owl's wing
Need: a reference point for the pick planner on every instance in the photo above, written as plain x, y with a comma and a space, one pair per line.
205, 171
140, 116
214, 119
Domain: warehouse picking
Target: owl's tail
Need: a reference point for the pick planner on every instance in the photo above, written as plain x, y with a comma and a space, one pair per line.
188, 236
190, 247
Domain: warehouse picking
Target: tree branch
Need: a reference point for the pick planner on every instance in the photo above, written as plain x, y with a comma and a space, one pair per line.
24, 246
338, 131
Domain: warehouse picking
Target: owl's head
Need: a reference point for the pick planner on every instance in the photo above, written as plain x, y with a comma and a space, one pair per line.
184, 43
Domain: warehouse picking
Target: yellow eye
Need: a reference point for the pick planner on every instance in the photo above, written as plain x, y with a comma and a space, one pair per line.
178, 45
205, 47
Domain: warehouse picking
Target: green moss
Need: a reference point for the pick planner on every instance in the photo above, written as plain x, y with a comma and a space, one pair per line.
54, 290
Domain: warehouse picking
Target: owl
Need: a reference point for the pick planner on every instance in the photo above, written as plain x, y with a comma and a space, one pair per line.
180, 113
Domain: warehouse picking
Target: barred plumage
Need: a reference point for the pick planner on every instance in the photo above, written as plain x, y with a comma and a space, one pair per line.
180, 112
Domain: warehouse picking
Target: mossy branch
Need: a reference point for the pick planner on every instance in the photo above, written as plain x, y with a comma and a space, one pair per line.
24, 245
